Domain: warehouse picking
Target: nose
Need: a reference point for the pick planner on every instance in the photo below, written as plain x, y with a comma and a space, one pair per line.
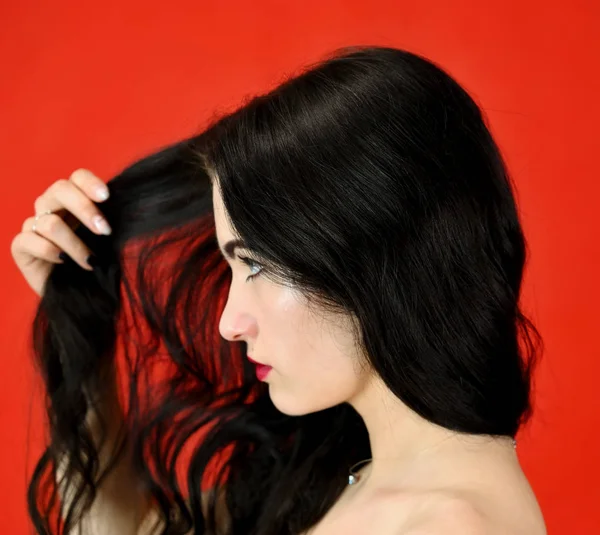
237, 324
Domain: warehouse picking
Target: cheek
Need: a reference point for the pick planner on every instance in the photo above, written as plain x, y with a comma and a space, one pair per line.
314, 379
286, 332
299, 337
281, 316
287, 300
313, 354
318, 362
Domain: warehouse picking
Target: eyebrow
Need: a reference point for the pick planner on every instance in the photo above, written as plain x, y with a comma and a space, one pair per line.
230, 247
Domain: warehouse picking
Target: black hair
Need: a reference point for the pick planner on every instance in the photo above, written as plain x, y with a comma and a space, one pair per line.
369, 180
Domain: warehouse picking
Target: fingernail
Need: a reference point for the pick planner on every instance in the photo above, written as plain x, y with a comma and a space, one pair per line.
102, 225
102, 193
92, 261
63, 256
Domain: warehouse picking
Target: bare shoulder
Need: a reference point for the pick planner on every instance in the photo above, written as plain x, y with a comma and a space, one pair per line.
448, 516
447, 513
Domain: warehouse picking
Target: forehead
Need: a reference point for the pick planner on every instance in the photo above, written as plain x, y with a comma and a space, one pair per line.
222, 226
217, 201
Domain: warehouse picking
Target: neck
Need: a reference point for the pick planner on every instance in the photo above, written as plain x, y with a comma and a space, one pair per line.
403, 443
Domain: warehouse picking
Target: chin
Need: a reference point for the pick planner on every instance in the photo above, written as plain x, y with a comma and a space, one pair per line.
293, 406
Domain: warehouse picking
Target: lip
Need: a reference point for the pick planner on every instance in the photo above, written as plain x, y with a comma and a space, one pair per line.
262, 370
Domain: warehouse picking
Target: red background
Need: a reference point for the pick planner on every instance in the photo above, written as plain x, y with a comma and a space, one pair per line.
100, 86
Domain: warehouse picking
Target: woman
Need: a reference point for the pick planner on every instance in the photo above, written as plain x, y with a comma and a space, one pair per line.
354, 234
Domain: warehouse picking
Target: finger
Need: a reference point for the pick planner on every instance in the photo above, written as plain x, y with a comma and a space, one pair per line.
90, 184
30, 221
35, 272
53, 229
64, 194
28, 247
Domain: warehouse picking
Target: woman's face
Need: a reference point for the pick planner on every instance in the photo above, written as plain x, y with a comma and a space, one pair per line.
315, 363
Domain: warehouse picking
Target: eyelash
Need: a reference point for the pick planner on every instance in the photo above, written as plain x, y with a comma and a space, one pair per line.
251, 263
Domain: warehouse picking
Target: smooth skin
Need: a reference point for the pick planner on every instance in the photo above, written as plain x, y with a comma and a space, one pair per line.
36, 252
473, 487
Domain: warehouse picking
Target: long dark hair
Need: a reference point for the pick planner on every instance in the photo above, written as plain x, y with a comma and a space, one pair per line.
369, 180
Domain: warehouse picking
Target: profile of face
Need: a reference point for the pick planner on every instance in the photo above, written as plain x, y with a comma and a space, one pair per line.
313, 354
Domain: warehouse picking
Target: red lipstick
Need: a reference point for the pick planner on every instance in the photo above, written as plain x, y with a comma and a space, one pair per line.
262, 370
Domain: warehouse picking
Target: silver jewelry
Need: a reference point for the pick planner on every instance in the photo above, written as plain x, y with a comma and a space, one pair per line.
354, 477
37, 218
